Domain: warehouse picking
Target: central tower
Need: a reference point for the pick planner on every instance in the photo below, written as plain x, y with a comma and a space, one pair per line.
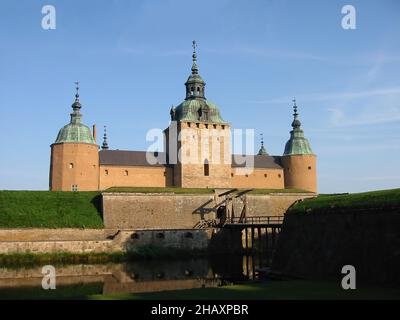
200, 137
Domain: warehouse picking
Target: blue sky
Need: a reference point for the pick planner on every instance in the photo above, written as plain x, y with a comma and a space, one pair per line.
133, 57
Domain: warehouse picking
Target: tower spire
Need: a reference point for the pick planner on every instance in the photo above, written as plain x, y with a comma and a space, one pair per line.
76, 116
296, 122
105, 144
194, 84
77, 90
195, 68
262, 150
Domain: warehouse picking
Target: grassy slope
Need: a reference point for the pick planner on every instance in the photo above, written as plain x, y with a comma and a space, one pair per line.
271, 290
45, 209
374, 199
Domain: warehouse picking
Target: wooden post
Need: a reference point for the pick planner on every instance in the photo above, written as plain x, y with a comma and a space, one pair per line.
259, 238
246, 236
266, 238
252, 238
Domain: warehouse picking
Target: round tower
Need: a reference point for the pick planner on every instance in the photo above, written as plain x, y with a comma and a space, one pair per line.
298, 160
74, 163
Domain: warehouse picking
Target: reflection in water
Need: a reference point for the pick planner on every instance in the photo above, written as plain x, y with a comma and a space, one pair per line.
137, 276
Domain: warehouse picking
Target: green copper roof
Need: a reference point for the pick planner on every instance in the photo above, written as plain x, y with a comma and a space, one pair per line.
297, 143
197, 110
75, 131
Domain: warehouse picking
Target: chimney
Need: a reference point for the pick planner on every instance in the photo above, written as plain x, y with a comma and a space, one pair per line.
94, 133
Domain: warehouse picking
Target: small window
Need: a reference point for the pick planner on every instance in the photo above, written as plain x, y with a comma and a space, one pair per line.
126, 173
309, 167
206, 126
223, 127
71, 165
247, 175
232, 175
198, 125
215, 126
106, 172
206, 168
279, 176
135, 236
74, 187
265, 175
188, 124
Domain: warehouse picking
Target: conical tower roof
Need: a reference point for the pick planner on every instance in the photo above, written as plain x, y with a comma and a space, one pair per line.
75, 131
297, 144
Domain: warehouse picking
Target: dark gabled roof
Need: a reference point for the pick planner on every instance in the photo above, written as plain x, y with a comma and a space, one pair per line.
138, 158
127, 158
260, 161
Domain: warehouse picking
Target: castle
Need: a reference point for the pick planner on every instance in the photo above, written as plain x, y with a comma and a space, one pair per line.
197, 154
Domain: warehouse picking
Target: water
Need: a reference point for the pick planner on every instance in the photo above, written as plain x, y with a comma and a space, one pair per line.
79, 280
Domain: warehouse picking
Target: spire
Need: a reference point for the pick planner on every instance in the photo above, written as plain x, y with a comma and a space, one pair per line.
262, 150
195, 69
194, 84
105, 144
76, 116
296, 122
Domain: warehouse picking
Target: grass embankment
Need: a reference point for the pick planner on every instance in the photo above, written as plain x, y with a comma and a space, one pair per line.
46, 209
269, 290
365, 200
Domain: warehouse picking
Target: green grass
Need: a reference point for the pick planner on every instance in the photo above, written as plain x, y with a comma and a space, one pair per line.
374, 199
271, 290
46, 209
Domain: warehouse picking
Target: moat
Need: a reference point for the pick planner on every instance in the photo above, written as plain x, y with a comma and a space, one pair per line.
143, 276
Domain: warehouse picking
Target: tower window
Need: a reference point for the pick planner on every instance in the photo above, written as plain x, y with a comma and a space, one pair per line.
265, 175
71, 165
223, 127
232, 175
74, 187
106, 172
247, 175
279, 176
309, 167
126, 173
206, 126
206, 168
198, 125
215, 126
188, 124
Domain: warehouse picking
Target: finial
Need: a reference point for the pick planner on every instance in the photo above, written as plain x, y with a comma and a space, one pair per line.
77, 90
262, 139
295, 114
296, 122
105, 144
195, 69
262, 150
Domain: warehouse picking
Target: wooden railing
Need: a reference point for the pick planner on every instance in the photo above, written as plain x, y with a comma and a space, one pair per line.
256, 220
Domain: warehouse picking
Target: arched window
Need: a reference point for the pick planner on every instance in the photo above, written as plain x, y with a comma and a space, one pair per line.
206, 168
